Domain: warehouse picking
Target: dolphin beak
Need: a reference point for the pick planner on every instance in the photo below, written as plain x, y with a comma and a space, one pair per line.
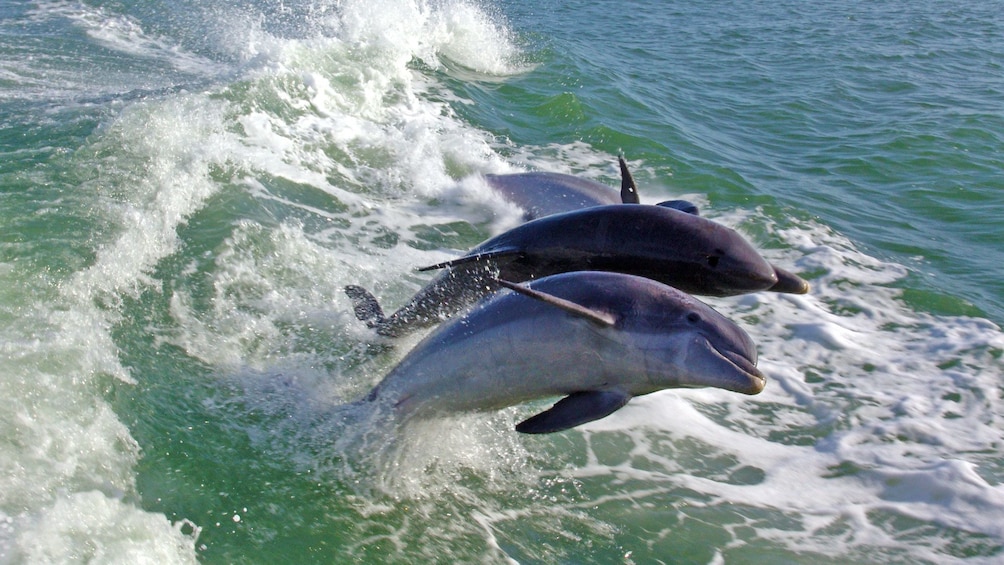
754, 381
732, 370
789, 283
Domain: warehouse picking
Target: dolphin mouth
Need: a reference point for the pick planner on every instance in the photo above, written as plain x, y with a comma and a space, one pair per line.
728, 368
754, 380
751, 279
760, 279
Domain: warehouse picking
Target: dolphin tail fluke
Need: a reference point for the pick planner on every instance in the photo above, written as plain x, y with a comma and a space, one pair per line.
365, 305
576, 408
629, 190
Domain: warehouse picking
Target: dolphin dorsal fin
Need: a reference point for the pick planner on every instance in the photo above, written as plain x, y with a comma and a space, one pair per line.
510, 253
595, 316
629, 190
576, 408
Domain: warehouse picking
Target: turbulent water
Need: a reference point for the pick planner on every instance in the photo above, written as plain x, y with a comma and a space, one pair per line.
187, 186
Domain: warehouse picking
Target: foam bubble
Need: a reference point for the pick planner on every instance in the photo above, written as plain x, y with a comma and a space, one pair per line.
478, 40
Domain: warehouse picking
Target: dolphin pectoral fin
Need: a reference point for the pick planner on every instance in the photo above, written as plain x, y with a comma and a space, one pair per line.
496, 255
629, 190
576, 408
365, 305
681, 205
788, 282
596, 316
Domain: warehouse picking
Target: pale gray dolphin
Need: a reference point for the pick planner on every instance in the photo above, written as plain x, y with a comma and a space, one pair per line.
597, 339
688, 252
542, 194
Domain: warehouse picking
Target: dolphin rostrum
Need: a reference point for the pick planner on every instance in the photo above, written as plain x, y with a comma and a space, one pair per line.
597, 339
688, 252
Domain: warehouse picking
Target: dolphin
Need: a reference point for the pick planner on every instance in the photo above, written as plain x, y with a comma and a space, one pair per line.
689, 252
597, 339
541, 194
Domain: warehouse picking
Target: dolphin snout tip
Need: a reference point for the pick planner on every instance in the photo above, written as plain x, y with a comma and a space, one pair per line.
753, 383
757, 382
752, 380
789, 283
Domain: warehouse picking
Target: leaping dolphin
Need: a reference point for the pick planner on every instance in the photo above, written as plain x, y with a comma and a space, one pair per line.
597, 339
540, 194
688, 252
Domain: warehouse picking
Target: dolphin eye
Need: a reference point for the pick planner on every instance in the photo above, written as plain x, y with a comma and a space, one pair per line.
715, 256
693, 317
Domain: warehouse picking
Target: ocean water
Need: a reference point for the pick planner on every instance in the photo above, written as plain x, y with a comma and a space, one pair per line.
186, 187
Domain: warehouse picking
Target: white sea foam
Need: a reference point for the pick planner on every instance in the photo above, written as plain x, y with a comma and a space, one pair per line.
873, 412
69, 464
892, 401
91, 527
69, 453
460, 31
126, 35
869, 413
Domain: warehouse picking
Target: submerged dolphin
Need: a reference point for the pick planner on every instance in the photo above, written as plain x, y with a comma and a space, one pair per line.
688, 252
598, 339
543, 194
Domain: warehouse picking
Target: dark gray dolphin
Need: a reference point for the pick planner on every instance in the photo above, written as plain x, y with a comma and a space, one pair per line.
597, 339
542, 194
688, 252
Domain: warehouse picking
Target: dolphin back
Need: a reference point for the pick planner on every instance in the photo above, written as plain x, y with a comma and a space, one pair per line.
543, 194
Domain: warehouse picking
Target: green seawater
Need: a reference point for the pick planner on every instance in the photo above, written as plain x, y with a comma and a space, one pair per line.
186, 187
884, 122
